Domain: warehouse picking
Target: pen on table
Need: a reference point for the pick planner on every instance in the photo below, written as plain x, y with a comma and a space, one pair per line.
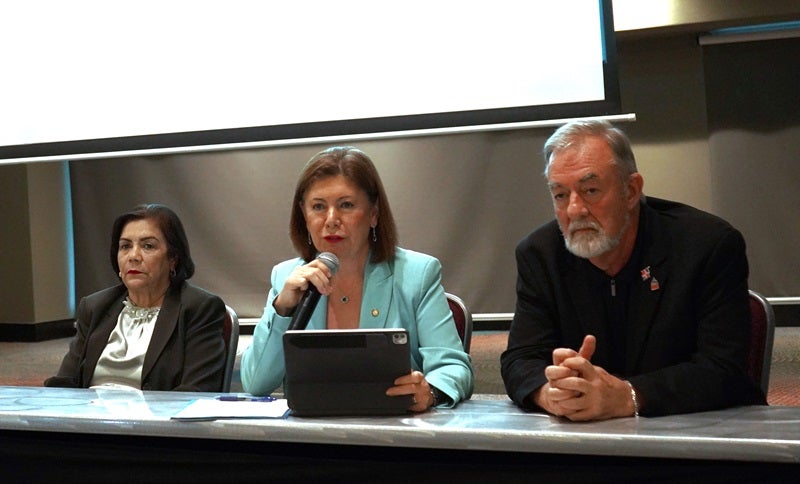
239, 398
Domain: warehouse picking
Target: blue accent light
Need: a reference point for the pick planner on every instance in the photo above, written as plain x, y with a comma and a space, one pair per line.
756, 29
603, 32
69, 237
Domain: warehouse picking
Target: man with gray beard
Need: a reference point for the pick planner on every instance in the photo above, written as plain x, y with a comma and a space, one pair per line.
626, 305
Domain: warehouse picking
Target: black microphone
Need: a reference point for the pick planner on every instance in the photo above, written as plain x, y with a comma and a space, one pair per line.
310, 299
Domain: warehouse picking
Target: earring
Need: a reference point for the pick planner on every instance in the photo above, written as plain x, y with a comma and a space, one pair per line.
173, 273
374, 234
309, 238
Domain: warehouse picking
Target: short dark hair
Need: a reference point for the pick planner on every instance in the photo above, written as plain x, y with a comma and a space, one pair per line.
357, 167
172, 228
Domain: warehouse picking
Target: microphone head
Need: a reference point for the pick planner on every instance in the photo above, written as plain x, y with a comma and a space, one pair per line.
329, 260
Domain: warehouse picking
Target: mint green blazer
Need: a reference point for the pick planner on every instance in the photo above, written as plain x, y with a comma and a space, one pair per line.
405, 292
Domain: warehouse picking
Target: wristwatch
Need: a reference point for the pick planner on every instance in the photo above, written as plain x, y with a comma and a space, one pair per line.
437, 395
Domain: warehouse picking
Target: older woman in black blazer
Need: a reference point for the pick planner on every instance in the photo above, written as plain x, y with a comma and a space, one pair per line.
153, 331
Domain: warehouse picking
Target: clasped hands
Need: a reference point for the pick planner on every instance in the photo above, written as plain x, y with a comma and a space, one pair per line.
578, 390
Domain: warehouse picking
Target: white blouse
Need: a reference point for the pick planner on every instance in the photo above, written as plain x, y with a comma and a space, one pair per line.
123, 357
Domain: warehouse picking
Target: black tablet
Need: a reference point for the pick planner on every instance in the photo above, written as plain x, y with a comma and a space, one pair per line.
345, 372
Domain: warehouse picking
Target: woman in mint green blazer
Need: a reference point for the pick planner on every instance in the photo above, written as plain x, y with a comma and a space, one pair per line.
340, 206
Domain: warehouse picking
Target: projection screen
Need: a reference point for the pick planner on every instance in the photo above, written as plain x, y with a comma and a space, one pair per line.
92, 78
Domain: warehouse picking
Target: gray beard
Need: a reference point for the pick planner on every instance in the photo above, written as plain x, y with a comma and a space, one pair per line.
593, 244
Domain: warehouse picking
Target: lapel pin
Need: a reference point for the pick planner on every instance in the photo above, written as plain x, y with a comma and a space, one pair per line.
645, 273
654, 284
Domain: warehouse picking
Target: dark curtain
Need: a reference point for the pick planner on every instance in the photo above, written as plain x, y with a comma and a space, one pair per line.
466, 199
753, 96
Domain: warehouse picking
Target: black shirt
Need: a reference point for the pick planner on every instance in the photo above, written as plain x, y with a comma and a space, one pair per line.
615, 293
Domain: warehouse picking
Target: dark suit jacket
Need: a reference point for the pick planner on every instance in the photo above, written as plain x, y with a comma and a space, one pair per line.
186, 351
687, 335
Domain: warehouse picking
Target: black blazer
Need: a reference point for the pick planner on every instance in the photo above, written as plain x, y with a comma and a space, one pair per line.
186, 351
687, 335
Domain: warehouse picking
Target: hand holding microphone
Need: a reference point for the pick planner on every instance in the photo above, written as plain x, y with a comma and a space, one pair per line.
308, 302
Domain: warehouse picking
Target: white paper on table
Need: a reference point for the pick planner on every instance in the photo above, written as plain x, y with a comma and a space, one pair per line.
214, 409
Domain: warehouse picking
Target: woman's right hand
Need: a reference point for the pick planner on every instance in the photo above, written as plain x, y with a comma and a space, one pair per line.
315, 272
